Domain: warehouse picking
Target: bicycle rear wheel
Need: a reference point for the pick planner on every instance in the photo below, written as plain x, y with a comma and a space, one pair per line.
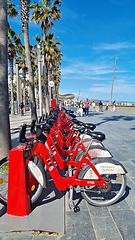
4, 180
97, 195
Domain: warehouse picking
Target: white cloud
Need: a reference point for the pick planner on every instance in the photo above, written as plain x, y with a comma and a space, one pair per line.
88, 70
121, 2
120, 87
115, 46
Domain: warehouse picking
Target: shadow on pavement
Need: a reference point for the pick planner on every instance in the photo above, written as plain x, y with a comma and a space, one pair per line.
116, 118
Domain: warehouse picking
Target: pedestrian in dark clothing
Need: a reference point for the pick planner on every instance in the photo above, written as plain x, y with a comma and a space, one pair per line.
22, 108
86, 106
100, 106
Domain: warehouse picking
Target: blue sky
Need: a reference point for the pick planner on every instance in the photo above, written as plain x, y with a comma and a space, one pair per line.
93, 32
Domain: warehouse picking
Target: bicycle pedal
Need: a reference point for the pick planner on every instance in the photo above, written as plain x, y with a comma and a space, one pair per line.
76, 209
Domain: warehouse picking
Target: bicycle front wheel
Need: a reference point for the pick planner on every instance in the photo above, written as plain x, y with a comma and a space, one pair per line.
4, 163
33, 188
97, 195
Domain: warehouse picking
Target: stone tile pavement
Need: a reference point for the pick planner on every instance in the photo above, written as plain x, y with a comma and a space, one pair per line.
101, 223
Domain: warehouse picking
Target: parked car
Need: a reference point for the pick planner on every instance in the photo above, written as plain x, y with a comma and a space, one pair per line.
27, 107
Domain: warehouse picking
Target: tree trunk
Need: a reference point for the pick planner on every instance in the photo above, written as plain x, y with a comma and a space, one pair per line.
5, 138
12, 88
24, 84
31, 77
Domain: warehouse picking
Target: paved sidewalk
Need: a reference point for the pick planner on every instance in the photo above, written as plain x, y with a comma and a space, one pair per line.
16, 122
100, 223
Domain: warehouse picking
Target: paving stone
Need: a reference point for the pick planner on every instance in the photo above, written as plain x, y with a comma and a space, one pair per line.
133, 179
128, 154
131, 203
130, 167
19, 237
43, 236
79, 226
125, 220
120, 205
105, 229
98, 211
131, 189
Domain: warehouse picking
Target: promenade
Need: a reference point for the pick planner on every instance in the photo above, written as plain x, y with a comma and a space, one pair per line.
92, 223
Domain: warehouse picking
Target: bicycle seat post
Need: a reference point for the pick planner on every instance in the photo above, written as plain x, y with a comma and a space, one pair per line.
71, 202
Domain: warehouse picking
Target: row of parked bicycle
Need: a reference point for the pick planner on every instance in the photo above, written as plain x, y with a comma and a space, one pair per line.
63, 142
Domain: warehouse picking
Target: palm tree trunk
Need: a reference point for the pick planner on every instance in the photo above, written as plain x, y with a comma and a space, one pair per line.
5, 138
12, 88
24, 84
44, 92
31, 77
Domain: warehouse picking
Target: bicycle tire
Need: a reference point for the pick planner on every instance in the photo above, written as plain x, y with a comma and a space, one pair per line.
34, 195
4, 180
105, 198
33, 188
37, 194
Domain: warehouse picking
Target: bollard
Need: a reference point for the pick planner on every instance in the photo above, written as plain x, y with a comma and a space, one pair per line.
53, 104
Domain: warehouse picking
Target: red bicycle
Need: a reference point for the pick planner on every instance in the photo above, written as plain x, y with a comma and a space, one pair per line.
101, 182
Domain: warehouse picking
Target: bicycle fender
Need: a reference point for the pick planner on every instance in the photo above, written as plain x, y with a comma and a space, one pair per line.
37, 170
109, 166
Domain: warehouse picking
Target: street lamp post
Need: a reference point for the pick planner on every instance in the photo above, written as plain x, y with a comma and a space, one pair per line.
39, 78
113, 78
18, 87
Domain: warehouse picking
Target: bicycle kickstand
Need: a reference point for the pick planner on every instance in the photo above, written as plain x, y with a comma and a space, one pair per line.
71, 202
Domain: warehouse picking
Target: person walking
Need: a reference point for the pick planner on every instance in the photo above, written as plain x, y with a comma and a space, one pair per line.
107, 104
93, 106
22, 108
86, 106
100, 106
114, 106
80, 110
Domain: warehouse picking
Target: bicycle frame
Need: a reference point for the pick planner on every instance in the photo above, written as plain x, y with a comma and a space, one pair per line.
63, 183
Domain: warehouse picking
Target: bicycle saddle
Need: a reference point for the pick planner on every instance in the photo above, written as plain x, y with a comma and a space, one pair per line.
81, 130
40, 119
75, 121
72, 115
97, 135
22, 137
89, 126
33, 127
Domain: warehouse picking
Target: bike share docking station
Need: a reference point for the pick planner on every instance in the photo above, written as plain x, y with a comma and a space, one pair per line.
18, 203
46, 214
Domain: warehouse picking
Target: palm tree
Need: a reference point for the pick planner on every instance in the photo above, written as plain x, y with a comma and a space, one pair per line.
53, 60
12, 12
22, 64
14, 45
11, 8
53, 57
5, 138
44, 13
25, 4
